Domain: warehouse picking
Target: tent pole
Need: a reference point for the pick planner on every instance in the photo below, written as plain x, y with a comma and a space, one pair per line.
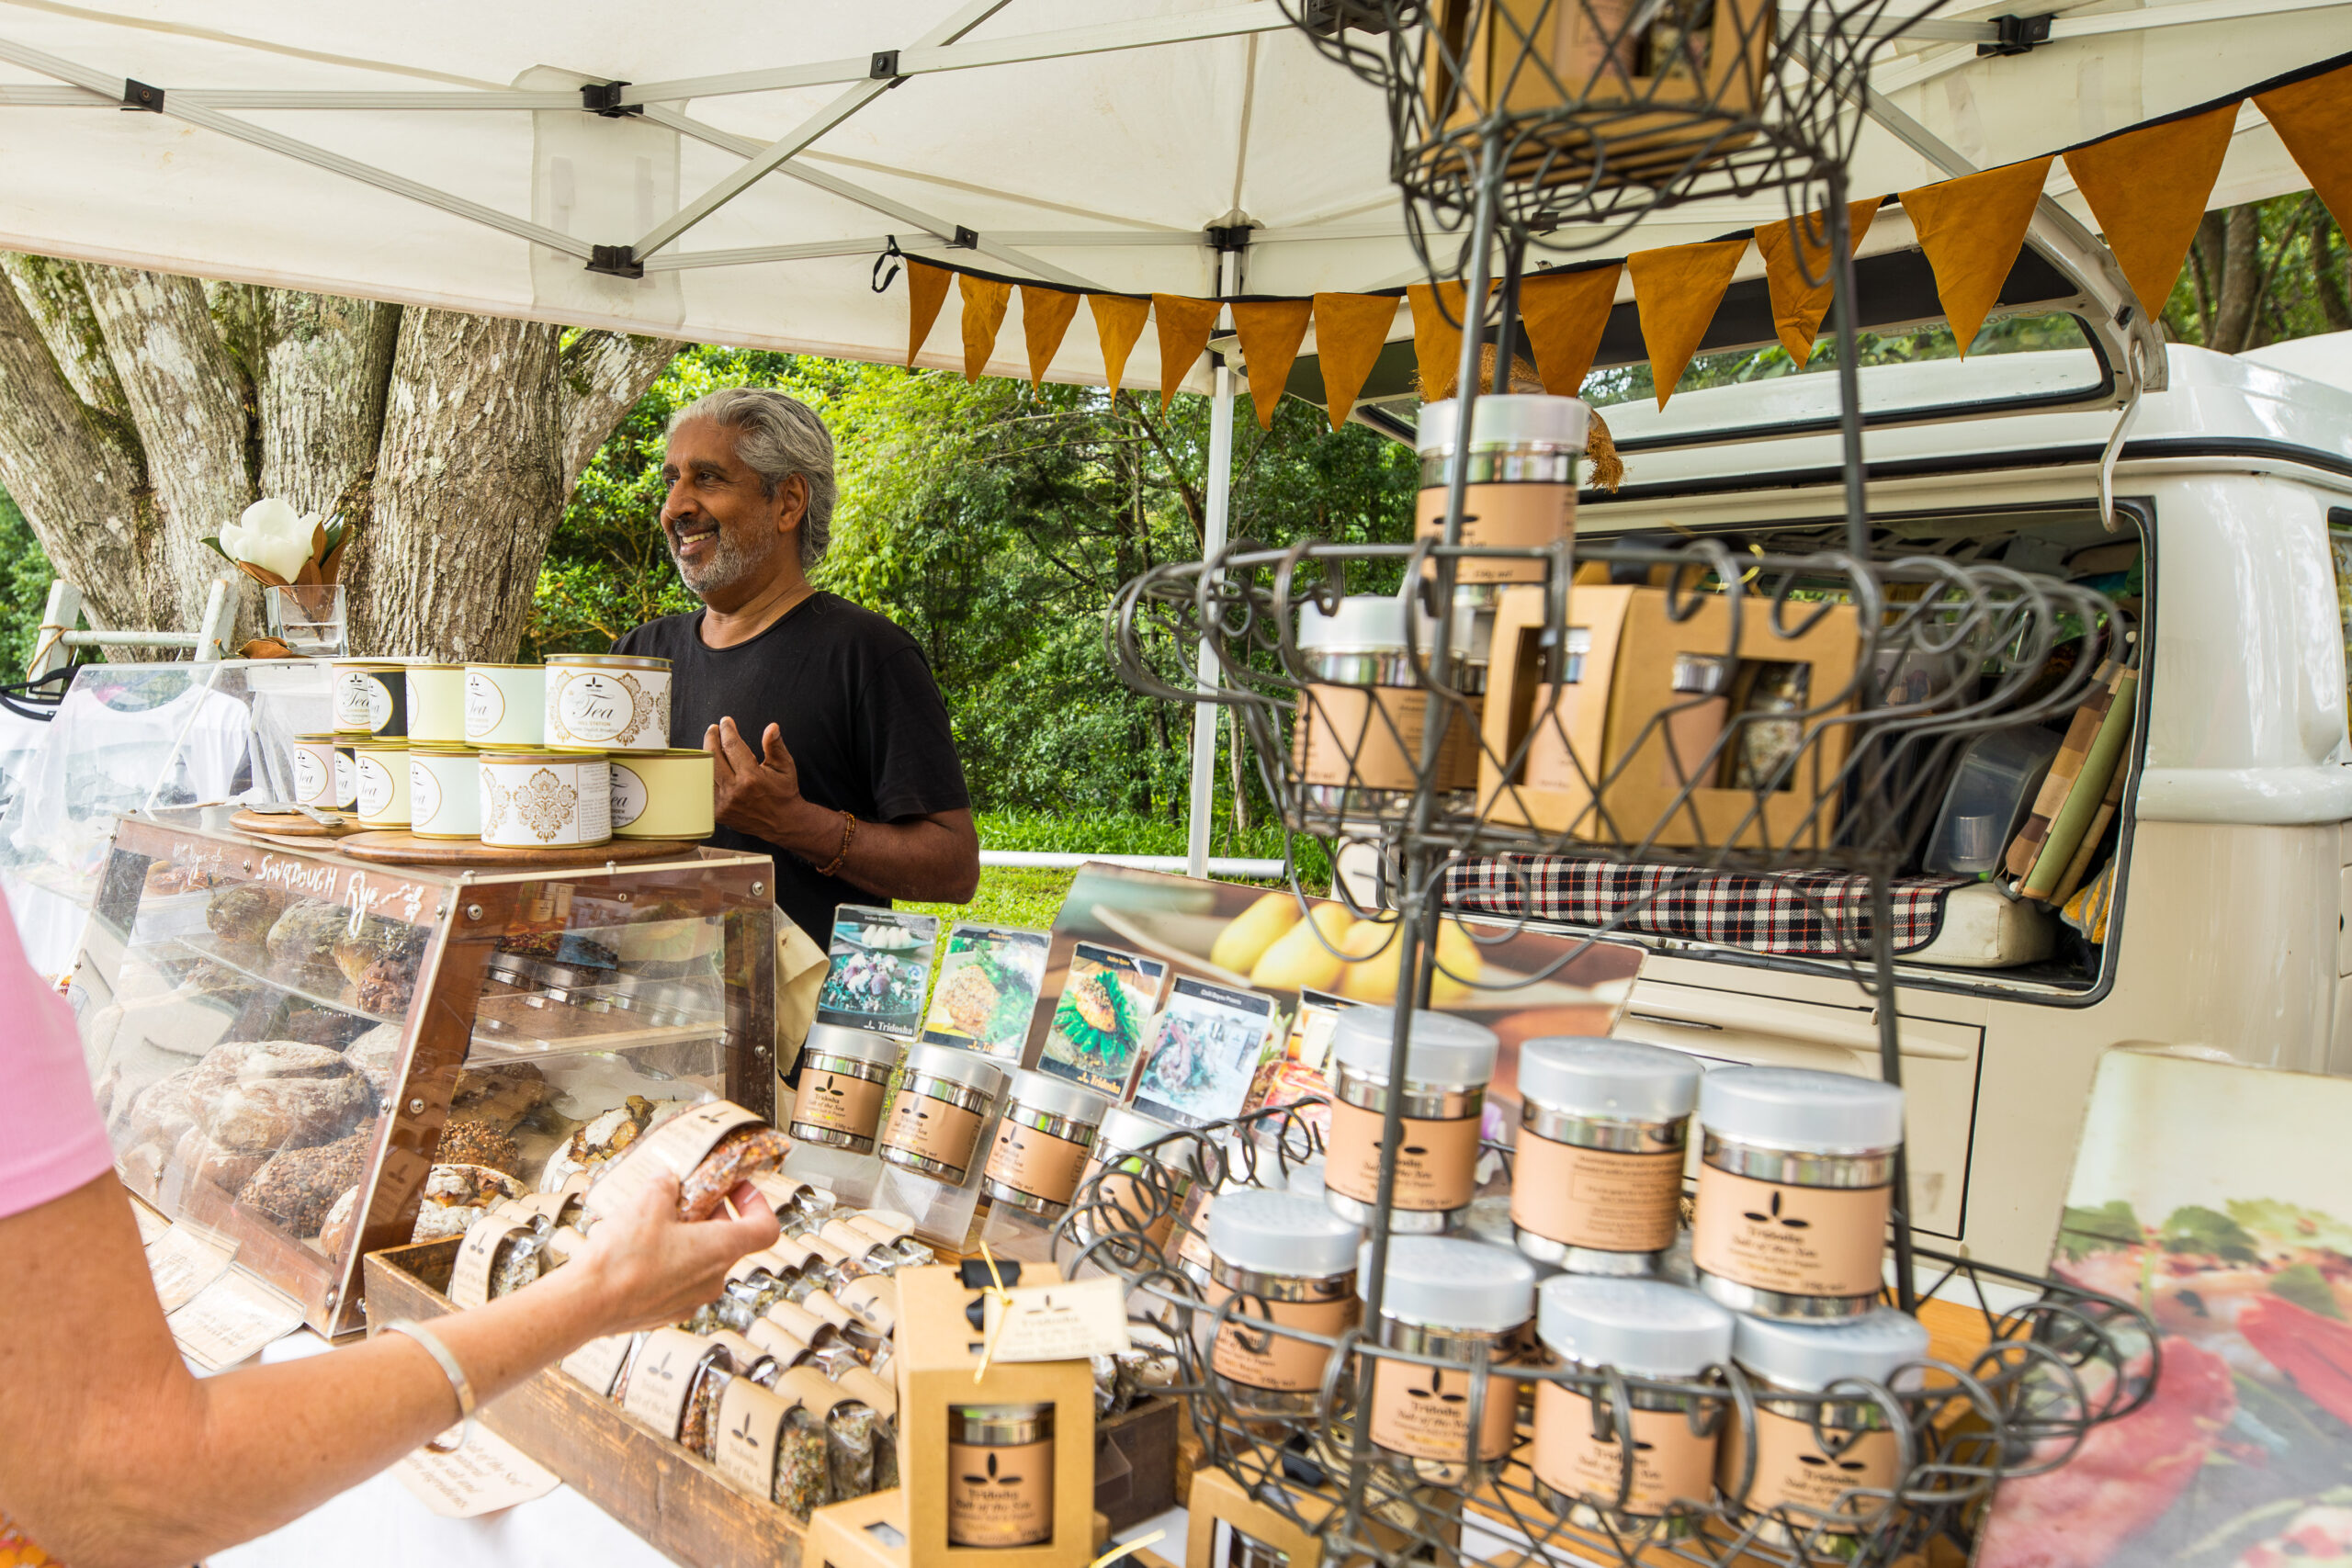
1207, 717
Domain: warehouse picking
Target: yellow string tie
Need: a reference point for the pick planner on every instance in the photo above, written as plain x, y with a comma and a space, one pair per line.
1118, 1551
996, 1287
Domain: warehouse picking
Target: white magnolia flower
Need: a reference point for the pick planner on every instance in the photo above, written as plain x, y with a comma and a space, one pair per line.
271, 536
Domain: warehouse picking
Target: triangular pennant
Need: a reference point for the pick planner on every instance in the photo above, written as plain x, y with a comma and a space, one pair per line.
1118, 320
1185, 327
984, 303
1677, 290
2147, 191
1798, 303
2314, 120
926, 290
1564, 314
1349, 332
1270, 332
1045, 317
1437, 333
1972, 229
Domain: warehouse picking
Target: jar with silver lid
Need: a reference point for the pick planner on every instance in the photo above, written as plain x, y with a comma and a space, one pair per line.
1447, 1065
1795, 1184
1806, 1490
1042, 1143
1643, 1328
1357, 737
1597, 1172
936, 1123
1521, 493
1292, 1263
1120, 1196
999, 1475
845, 1074
1456, 1300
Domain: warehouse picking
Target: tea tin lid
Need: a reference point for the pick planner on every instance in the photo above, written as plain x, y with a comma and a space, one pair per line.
1798, 1108
1371, 623
1814, 1356
396, 743
609, 660
487, 664
1129, 1130
536, 755
1504, 419
389, 665
857, 1045
322, 735
442, 749
956, 1065
422, 663
1645, 1328
1058, 1097
1282, 1232
1444, 1049
1609, 1079
1443, 1282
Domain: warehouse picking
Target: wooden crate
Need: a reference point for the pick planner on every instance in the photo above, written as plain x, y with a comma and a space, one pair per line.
677, 1503
1135, 1461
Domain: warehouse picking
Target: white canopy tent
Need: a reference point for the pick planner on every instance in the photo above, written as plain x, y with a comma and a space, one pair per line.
753, 156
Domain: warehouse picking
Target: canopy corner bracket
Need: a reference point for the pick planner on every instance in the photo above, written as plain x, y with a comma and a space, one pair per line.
616, 261
605, 98
139, 96
883, 67
2017, 35
1227, 239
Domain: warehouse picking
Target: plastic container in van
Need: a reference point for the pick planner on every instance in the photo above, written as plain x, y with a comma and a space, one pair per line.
1991, 795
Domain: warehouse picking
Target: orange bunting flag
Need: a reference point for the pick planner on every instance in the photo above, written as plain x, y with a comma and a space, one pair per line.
2314, 120
1800, 284
1185, 327
1971, 230
1349, 332
1045, 317
984, 304
1677, 290
1118, 320
1564, 314
2147, 190
1437, 333
926, 291
1270, 332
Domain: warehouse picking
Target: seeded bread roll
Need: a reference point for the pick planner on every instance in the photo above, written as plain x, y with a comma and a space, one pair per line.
301, 942
240, 916
478, 1142
298, 1186
500, 1096
268, 1114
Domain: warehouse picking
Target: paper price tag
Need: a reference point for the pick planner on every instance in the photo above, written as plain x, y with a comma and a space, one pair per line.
485, 1474
598, 1362
470, 1275
1058, 1322
182, 1264
750, 1418
231, 1319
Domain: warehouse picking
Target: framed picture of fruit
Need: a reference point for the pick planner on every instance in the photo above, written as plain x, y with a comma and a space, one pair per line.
987, 990
1098, 1030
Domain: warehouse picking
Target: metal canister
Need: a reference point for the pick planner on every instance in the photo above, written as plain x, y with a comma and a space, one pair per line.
999, 1475
936, 1123
1447, 1065
1843, 1490
607, 702
845, 1074
663, 795
381, 770
1124, 1195
1293, 1264
506, 706
437, 703
1041, 1143
444, 792
1597, 1172
369, 698
1358, 734
1523, 480
545, 799
311, 759
1454, 1301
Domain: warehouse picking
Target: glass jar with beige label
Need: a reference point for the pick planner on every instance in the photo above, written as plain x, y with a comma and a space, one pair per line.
1645, 1329
1597, 1172
1460, 1302
1042, 1143
999, 1475
844, 1073
935, 1124
1288, 1261
1126, 1192
1447, 1066
1825, 1471
1357, 737
1795, 1184
1523, 479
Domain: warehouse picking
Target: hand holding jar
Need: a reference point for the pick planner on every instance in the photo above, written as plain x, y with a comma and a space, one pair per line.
643, 1266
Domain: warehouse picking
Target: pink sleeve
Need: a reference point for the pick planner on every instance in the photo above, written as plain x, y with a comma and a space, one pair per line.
55, 1141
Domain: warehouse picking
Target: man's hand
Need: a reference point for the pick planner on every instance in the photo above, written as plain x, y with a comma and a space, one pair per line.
759, 793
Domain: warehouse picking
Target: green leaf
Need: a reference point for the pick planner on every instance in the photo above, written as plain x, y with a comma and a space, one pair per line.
2112, 1224
2285, 1227
2193, 1228
2306, 1287
214, 540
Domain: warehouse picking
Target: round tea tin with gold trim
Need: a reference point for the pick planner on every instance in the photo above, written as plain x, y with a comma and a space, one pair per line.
506, 706
346, 775
370, 698
532, 800
444, 792
311, 761
437, 703
665, 794
607, 702
381, 772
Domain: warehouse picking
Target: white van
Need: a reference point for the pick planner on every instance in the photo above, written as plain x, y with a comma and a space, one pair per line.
2227, 934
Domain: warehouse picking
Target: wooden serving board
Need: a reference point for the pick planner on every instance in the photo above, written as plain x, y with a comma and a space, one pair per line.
290, 825
392, 846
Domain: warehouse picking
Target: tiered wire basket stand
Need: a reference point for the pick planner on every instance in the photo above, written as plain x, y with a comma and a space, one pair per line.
1558, 123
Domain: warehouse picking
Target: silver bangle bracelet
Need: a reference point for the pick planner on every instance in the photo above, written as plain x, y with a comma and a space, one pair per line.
459, 1382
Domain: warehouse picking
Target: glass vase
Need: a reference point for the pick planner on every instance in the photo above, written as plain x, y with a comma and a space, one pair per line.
309, 619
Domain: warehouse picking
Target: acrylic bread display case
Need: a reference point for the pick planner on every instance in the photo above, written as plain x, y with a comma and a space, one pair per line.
312, 1057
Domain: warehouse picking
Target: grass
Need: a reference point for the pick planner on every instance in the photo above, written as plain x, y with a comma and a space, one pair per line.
1009, 896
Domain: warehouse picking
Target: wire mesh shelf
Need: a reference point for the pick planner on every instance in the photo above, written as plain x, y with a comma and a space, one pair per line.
2019, 1395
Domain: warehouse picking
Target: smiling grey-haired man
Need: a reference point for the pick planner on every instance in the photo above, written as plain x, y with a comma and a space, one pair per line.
834, 754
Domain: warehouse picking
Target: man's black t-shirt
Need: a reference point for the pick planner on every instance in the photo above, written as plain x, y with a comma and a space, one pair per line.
859, 712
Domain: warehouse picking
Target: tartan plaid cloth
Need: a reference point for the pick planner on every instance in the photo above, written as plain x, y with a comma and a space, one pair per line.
1817, 914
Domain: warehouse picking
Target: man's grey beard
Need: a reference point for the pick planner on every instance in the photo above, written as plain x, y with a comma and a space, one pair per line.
729, 567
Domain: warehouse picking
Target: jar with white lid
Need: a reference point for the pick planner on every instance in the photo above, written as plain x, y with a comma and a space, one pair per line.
1841, 1489
1643, 1328
844, 1073
936, 1123
1452, 1300
1357, 737
1042, 1145
1447, 1066
1291, 1262
1121, 1194
1597, 1172
1795, 1182
1521, 493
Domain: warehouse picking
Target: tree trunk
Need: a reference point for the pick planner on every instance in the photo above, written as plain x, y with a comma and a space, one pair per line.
326, 365
2327, 277
2239, 299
